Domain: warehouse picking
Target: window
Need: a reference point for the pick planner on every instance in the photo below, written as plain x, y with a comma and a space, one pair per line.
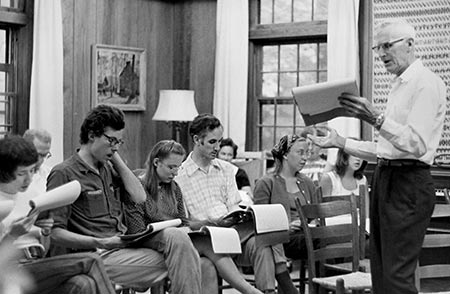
16, 39
7, 87
288, 49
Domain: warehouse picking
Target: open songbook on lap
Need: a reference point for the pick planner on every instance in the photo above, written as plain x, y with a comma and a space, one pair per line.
318, 102
60, 196
267, 222
151, 229
223, 240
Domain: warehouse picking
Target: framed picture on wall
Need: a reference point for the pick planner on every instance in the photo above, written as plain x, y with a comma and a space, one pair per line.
118, 77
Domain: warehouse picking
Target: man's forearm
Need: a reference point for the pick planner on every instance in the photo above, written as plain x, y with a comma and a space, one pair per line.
69, 239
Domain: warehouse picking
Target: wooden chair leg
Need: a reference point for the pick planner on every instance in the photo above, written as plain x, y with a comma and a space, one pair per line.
302, 276
340, 286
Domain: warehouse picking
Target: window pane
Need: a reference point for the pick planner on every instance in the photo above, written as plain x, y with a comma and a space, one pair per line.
307, 78
302, 10
320, 9
267, 135
270, 58
266, 12
308, 56
280, 132
2, 46
287, 82
267, 114
2, 81
323, 56
298, 118
282, 11
288, 57
322, 76
285, 115
269, 84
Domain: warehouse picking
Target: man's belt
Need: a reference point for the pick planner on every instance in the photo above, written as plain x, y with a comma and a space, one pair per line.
401, 163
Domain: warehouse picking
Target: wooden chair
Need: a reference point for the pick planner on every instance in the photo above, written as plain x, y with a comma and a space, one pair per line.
431, 271
361, 204
327, 242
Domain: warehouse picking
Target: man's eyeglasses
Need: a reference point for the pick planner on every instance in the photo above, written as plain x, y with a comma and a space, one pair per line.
386, 45
113, 141
45, 155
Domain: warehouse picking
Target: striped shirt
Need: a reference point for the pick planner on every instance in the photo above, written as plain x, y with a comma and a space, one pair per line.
211, 193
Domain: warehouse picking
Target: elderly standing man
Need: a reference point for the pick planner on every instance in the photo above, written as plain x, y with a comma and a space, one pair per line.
402, 195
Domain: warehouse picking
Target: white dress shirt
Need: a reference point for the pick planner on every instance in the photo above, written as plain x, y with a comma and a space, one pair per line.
414, 118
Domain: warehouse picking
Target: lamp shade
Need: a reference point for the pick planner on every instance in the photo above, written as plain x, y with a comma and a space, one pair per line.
176, 105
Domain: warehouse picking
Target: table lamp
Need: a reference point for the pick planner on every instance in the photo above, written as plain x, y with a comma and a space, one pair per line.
176, 107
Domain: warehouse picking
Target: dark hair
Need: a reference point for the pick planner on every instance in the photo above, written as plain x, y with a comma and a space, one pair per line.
203, 123
229, 142
283, 147
342, 164
161, 150
98, 119
15, 151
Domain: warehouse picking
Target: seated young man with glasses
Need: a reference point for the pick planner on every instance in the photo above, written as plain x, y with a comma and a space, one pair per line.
95, 220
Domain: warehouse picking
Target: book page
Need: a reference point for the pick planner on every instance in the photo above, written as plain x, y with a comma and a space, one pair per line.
224, 240
151, 229
269, 218
318, 102
61, 196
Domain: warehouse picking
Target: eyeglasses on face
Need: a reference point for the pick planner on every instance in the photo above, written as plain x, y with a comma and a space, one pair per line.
172, 168
113, 141
386, 45
45, 155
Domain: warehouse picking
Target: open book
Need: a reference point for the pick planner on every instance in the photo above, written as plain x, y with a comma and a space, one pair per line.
268, 222
223, 240
151, 229
318, 102
60, 196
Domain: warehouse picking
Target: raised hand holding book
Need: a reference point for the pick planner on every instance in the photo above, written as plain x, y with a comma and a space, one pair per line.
318, 102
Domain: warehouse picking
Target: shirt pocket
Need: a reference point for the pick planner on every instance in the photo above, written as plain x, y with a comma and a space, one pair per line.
94, 203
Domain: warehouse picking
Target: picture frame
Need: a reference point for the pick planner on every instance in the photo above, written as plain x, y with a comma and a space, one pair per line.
119, 77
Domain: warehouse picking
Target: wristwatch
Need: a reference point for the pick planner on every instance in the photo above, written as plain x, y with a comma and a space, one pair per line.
379, 121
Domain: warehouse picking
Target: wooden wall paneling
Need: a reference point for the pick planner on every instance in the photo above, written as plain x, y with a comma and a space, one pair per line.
155, 32
84, 36
70, 130
24, 58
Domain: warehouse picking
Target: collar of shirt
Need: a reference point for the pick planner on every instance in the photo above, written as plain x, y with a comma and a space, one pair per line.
191, 167
84, 167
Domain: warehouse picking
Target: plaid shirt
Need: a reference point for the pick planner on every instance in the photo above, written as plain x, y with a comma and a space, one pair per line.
208, 194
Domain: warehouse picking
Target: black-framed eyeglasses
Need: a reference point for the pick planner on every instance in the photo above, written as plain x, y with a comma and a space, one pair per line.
386, 45
45, 155
113, 141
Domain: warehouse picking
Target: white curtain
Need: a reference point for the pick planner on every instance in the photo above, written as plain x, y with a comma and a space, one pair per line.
46, 98
343, 58
230, 82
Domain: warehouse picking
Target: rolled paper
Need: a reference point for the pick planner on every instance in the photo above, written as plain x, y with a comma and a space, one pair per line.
61, 196
6, 206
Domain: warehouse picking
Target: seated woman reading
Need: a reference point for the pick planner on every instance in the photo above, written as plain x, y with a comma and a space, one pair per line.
165, 201
287, 184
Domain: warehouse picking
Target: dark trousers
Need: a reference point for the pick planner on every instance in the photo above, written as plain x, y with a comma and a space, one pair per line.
402, 201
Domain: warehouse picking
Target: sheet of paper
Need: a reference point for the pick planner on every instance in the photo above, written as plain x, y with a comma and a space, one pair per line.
318, 102
158, 226
60, 196
151, 229
224, 240
269, 218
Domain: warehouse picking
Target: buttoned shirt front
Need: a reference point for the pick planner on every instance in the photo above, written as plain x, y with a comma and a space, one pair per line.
97, 211
210, 193
414, 118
